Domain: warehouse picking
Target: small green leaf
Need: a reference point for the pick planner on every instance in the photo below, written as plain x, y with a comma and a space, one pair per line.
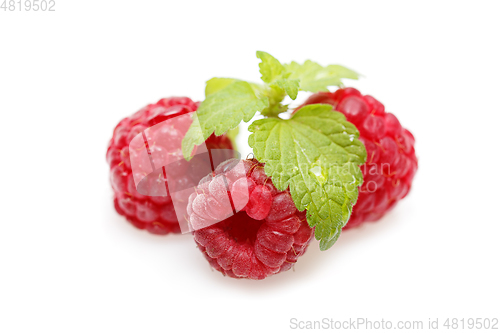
291, 86
217, 83
314, 77
221, 111
270, 68
325, 244
342, 72
316, 154
276, 76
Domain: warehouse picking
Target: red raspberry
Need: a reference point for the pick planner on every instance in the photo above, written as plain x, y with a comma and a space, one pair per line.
391, 162
266, 236
156, 214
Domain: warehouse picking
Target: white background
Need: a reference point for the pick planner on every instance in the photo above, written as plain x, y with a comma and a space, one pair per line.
69, 263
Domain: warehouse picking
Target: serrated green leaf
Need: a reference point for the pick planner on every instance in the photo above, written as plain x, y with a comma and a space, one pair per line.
342, 72
270, 68
314, 77
221, 111
325, 244
275, 74
316, 154
291, 86
217, 83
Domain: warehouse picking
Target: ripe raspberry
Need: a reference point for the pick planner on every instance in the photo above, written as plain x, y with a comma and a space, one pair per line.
391, 162
156, 214
265, 236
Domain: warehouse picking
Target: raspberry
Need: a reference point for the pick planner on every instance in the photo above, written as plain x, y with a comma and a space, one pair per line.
391, 162
156, 214
267, 234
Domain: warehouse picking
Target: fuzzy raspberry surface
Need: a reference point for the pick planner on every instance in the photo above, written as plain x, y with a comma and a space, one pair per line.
391, 161
155, 214
267, 234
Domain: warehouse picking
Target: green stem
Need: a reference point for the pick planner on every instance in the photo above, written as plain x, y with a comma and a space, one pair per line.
275, 96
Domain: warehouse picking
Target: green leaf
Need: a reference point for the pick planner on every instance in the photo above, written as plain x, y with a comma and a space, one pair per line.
316, 154
217, 83
314, 77
270, 68
291, 86
275, 74
223, 109
342, 72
